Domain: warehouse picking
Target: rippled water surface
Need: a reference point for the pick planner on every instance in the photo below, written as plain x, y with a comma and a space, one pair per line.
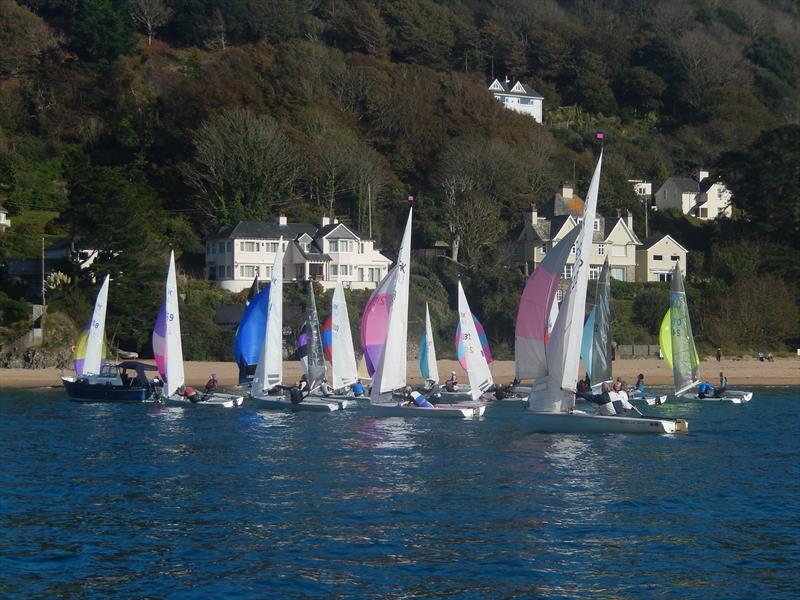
101, 501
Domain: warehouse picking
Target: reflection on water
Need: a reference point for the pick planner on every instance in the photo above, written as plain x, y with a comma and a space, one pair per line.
144, 501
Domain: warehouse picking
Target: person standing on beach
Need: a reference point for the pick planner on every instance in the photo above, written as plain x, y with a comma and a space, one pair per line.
719, 354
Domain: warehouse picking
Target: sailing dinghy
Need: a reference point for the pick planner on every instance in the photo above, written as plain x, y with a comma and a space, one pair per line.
552, 400
677, 346
267, 390
96, 380
168, 352
384, 328
596, 343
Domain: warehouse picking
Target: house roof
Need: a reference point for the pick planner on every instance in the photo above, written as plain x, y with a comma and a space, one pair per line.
509, 88
326, 230
655, 239
262, 230
313, 254
685, 184
611, 224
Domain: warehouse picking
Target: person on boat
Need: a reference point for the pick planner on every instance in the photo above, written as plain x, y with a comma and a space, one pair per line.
706, 390
619, 398
451, 385
640, 389
126, 379
723, 385
429, 383
603, 400
416, 399
500, 392
325, 388
189, 393
358, 388
435, 394
211, 384
583, 386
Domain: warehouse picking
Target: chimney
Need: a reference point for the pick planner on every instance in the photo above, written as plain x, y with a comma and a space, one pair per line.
507, 79
281, 219
629, 220
534, 214
619, 213
701, 174
566, 191
325, 220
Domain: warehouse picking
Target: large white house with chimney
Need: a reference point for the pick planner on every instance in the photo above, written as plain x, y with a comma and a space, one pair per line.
326, 253
700, 197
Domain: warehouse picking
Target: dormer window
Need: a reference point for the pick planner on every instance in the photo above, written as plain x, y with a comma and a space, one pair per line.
596, 226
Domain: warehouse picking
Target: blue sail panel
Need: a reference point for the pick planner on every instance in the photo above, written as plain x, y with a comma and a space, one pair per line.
252, 330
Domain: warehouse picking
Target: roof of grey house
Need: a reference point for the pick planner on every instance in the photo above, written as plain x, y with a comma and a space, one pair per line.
262, 230
326, 229
685, 184
507, 87
707, 183
314, 253
608, 224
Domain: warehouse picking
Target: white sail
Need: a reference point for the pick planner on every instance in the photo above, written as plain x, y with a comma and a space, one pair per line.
551, 318
429, 369
391, 372
480, 378
174, 362
269, 370
97, 329
343, 357
563, 351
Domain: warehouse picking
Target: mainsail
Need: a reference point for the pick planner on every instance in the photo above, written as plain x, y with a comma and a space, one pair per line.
269, 370
167, 346
343, 357
684, 354
550, 394
484, 341
249, 340
474, 359
427, 351
536, 307
91, 347
596, 344
309, 342
390, 373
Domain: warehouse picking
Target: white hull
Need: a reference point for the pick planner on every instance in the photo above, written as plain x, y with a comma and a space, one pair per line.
507, 404
219, 400
731, 396
649, 400
307, 405
451, 411
581, 422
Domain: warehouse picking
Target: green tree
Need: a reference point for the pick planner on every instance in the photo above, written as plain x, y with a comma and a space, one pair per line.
102, 31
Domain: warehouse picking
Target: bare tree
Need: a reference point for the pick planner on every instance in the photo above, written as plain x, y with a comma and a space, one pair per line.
244, 166
24, 37
152, 14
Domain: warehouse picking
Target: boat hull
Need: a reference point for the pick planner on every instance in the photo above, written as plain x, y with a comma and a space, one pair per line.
581, 422
218, 400
97, 392
731, 397
506, 405
450, 411
649, 400
307, 405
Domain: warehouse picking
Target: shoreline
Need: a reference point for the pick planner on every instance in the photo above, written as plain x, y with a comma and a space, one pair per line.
741, 372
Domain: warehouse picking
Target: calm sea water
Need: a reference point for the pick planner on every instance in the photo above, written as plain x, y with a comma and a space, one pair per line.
101, 501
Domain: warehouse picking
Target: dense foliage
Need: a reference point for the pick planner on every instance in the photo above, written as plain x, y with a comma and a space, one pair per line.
139, 125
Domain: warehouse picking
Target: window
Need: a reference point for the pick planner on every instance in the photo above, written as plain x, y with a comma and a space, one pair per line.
221, 247
594, 272
596, 226
248, 271
361, 248
544, 248
566, 272
601, 249
229, 271
209, 248
572, 250
658, 257
674, 257
619, 250
664, 276
271, 247
559, 295
334, 270
618, 273
230, 247
374, 274
221, 271
360, 273
333, 246
248, 247
703, 213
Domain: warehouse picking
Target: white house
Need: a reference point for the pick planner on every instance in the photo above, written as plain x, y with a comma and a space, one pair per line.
702, 197
5, 222
542, 229
326, 253
518, 97
656, 258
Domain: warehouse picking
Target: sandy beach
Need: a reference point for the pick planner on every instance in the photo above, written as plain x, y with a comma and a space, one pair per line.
740, 372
